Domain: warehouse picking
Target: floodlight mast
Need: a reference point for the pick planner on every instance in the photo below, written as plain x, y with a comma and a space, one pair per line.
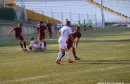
3, 3
102, 14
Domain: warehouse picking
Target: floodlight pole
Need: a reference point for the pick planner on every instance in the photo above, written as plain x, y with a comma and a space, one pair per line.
102, 13
3, 3
24, 10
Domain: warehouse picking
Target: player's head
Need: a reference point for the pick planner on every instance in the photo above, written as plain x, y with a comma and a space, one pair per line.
20, 24
48, 20
32, 38
68, 23
40, 22
84, 20
66, 20
78, 28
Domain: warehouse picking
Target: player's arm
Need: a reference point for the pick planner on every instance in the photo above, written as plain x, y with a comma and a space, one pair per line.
77, 42
58, 34
10, 31
35, 27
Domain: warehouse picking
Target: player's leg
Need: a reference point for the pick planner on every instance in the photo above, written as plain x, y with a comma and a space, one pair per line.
59, 56
67, 55
84, 28
43, 39
50, 34
24, 43
61, 47
74, 53
20, 42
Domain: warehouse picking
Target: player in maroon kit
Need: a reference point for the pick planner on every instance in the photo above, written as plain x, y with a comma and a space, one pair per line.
70, 44
49, 28
19, 36
41, 33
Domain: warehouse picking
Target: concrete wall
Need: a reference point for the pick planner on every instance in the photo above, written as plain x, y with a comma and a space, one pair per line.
5, 28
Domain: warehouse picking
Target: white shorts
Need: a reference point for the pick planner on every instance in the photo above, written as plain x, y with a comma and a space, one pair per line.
62, 43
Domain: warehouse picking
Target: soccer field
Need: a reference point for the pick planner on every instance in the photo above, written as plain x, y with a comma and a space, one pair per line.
105, 58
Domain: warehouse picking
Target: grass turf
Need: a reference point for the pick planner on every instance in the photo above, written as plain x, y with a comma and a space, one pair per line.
105, 57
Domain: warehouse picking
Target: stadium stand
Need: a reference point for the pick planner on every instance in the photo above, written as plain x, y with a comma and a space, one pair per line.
30, 13
110, 8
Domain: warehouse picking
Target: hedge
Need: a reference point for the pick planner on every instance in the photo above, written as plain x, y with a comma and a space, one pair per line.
7, 13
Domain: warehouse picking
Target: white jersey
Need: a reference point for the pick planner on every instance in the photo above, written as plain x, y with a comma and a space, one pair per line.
65, 32
33, 44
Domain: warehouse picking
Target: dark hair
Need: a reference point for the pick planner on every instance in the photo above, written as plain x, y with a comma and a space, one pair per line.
20, 24
68, 23
40, 21
32, 38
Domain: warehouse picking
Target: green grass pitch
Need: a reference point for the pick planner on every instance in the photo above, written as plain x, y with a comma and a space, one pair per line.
105, 57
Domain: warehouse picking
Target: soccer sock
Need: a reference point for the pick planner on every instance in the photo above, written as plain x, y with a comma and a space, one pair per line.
24, 44
45, 44
21, 45
63, 54
59, 55
74, 52
42, 44
50, 36
67, 54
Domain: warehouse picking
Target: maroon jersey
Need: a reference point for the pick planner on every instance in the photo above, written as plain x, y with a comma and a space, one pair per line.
75, 34
18, 31
41, 29
49, 28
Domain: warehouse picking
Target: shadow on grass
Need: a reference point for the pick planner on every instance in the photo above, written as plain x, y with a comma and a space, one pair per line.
46, 51
105, 61
90, 41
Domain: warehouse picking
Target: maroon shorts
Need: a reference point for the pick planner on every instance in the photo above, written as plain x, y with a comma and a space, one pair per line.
19, 38
41, 37
69, 43
50, 31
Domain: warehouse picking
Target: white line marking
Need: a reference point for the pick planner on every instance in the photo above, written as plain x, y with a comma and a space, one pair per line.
66, 73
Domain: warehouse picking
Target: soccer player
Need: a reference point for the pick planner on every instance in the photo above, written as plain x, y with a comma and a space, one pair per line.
89, 24
70, 44
41, 33
33, 44
78, 24
19, 36
63, 33
49, 28
84, 25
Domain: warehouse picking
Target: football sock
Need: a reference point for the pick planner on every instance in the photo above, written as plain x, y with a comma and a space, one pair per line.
74, 52
45, 44
59, 55
21, 45
24, 44
50, 36
42, 45
63, 54
67, 54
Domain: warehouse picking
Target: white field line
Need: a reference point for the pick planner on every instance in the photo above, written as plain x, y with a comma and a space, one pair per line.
66, 73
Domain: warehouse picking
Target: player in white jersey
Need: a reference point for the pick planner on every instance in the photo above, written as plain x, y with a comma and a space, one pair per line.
63, 33
33, 44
